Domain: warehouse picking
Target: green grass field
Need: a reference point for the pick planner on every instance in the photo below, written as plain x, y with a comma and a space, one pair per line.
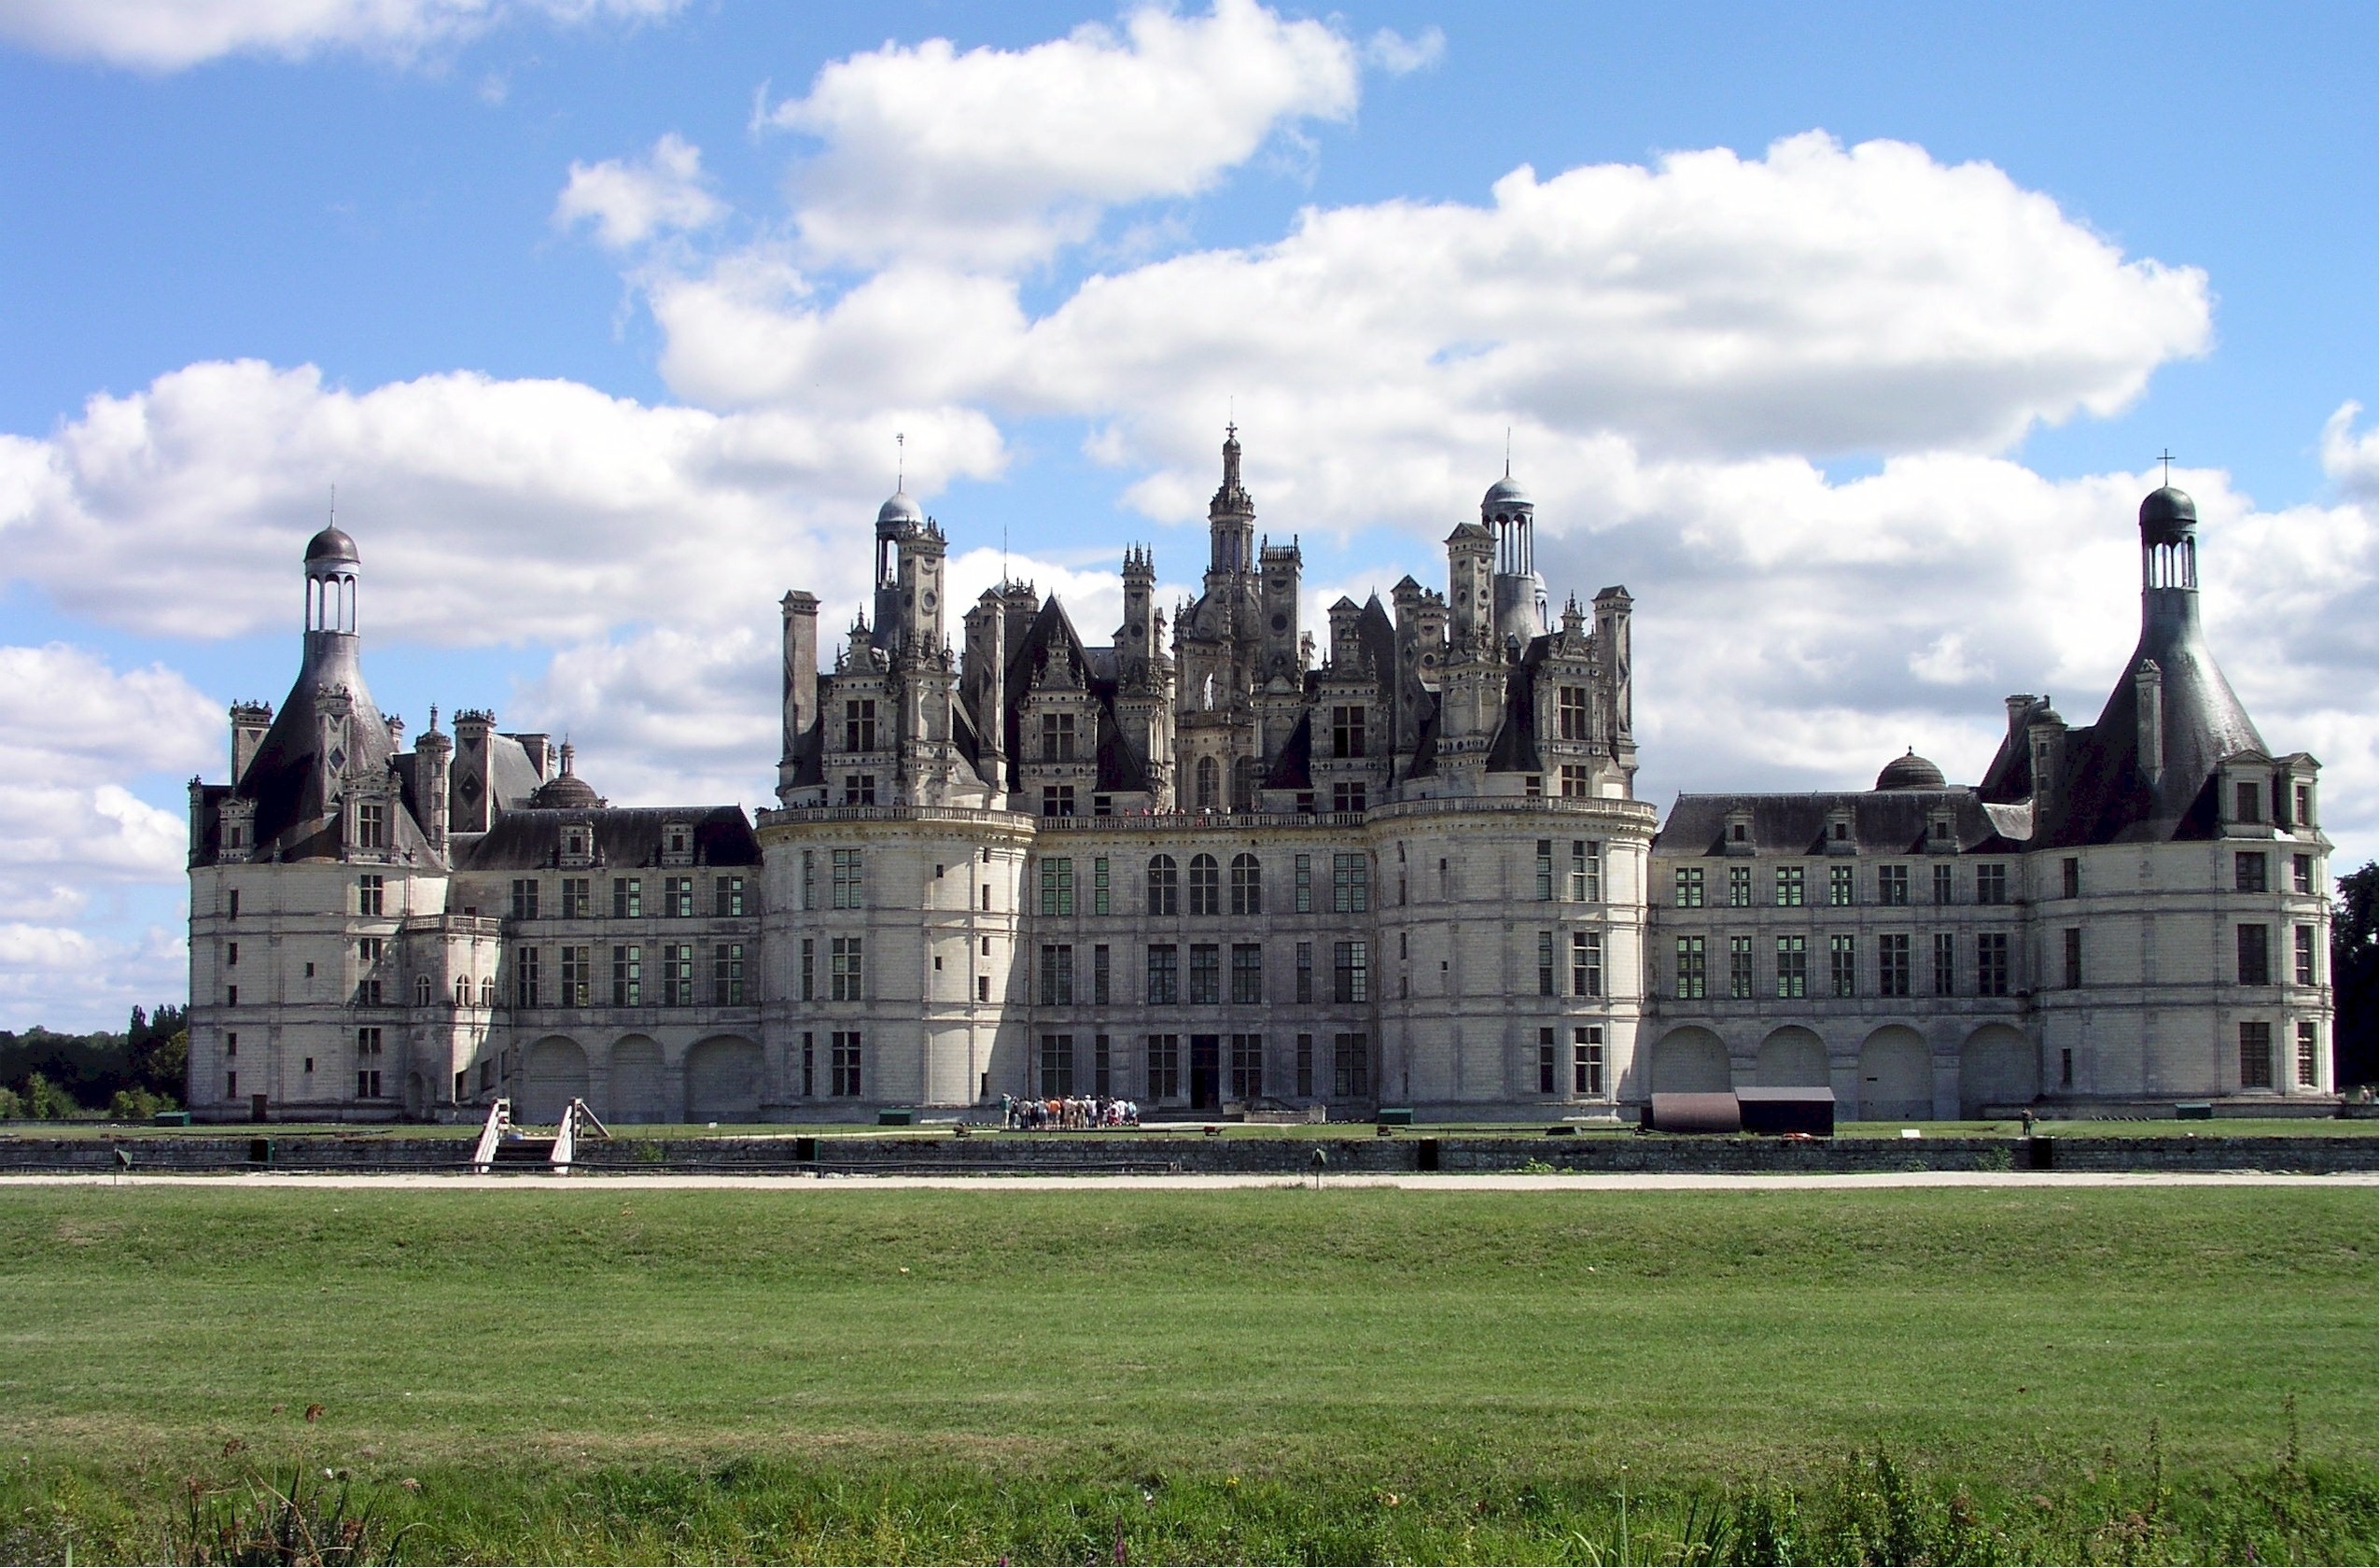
2137, 1375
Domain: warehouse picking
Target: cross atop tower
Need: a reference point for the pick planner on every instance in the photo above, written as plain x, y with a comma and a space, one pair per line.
2167, 458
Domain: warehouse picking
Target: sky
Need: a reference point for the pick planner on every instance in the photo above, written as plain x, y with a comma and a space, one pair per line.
1847, 337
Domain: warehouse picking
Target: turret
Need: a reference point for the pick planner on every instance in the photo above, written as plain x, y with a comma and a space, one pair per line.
921, 552
1231, 517
1508, 514
433, 759
1279, 567
1470, 588
896, 521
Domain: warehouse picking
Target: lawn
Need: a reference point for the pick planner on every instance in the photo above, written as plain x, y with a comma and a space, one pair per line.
1257, 1373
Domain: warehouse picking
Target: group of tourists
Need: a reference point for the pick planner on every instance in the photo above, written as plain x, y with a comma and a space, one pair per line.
1071, 1113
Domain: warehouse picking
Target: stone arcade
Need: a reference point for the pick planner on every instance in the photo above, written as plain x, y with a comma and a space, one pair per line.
1226, 867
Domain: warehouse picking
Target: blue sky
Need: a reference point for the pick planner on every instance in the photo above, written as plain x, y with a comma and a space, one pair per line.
1845, 335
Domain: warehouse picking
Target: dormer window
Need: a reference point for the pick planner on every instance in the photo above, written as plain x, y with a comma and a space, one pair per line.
372, 825
1057, 737
2245, 798
677, 841
860, 725
2303, 802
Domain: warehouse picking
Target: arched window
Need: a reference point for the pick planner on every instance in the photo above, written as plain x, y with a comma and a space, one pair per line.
1208, 784
421, 990
1206, 886
462, 991
1164, 885
487, 993
1243, 784
1247, 886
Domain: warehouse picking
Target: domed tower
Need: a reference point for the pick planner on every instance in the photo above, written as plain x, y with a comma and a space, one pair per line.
1521, 607
896, 521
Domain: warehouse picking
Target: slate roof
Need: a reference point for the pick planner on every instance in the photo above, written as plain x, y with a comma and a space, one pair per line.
294, 820
1886, 821
624, 838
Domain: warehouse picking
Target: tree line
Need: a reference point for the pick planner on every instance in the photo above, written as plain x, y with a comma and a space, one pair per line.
126, 1076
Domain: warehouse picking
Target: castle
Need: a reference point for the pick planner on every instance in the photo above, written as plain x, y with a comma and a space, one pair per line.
1215, 865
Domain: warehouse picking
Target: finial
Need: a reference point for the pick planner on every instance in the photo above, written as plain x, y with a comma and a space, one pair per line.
433, 717
900, 461
2166, 457
1508, 451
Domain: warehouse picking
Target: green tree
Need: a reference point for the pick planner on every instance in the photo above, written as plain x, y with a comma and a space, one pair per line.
2354, 1052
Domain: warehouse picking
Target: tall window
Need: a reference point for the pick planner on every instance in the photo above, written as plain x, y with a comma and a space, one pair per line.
1206, 975
849, 887
1102, 1067
1992, 883
1058, 974
1165, 975
1739, 983
843, 1065
1247, 1066
1991, 963
1585, 871
1305, 884
1793, 966
727, 895
1545, 963
1350, 884
1350, 971
1693, 979
1892, 964
1892, 884
1305, 1066
2255, 956
1164, 1067
1058, 1062
860, 725
628, 898
2304, 797
1945, 964
525, 898
1943, 882
2070, 876
2309, 1058
678, 897
1689, 887
2301, 877
370, 892
1305, 972
369, 1050
727, 975
1165, 886
1206, 886
678, 975
1057, 737
1571, 710
2256, 1055
1101, 976
1347, 731
1099, 887
627, 977
1247, 886
1210, 779
2249, 807
2072, 943
1842, 887
1739, 887
1247, 974
1057, 885
1586, 963
809, 981
2248, 872
2303, 969
809, 879
577, 976
1546, 869
372, 825
844, 960
1842, 962
1352, 1066
1789, 886
524, 977
1586, 1061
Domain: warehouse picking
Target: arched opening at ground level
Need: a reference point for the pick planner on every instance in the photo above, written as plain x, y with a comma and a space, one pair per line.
1997, 1065
1691, 1060
554, 1073
723, 1079
1792, 1058
1895, 1076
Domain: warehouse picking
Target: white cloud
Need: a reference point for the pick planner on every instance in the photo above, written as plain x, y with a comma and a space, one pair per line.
996, 157
174, 35
2352, 461
488, 512
1817, 300
1399, 56
628, 203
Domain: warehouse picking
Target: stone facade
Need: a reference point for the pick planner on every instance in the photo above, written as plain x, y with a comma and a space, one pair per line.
1230, 867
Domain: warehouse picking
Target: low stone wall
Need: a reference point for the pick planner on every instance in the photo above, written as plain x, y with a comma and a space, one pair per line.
1128, 1153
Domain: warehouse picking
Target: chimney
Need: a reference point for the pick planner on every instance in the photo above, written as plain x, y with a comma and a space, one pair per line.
801, 671
433, 762
249, 722
2148, 720
470, 805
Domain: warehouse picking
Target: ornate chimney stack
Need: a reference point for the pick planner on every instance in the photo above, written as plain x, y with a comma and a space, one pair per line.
433, 762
